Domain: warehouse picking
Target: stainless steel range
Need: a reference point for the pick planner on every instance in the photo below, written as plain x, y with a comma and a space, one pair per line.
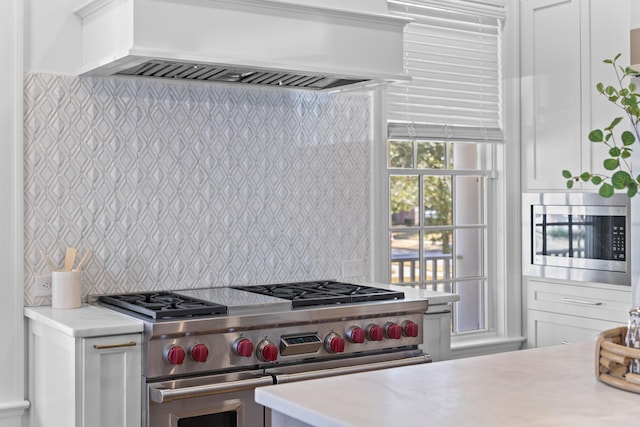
206, 350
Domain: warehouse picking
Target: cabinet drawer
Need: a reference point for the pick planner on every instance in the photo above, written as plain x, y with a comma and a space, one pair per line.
584, 301
546, 329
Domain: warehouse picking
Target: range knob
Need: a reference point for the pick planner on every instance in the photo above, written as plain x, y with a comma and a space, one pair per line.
393, 330
334, 343
174, 354
374, 332
267, 351
410, 329
355, 334
199, 353
243, 347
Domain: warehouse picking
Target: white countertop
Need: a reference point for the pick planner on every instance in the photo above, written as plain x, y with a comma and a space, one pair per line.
85, 321
434, 297
549, 386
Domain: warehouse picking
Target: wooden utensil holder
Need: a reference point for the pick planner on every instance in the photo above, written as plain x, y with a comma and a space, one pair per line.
613, 358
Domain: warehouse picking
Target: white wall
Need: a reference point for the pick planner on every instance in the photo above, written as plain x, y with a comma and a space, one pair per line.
12, 401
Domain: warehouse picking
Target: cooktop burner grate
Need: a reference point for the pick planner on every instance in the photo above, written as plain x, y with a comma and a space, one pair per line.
306, 294
163, 304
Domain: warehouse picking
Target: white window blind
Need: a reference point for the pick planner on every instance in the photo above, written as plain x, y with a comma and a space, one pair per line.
452, 53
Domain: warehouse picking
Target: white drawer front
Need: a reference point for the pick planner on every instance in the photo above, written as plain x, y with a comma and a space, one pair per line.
576, 300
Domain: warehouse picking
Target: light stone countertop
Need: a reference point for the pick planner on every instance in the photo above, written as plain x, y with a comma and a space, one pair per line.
434, 297
549, 386
85, 321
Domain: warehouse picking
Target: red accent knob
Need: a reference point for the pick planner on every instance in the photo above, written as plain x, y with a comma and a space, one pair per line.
375, 333
393, 330
334, 343
199, 353
410, 329
243, 347
175, 355
267, 351
355, 334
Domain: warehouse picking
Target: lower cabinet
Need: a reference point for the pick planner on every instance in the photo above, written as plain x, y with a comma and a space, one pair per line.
561, 313
437, 332
89, 382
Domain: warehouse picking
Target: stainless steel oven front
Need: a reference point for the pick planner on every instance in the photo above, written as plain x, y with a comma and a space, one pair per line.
224, 400
577, 236
227, 400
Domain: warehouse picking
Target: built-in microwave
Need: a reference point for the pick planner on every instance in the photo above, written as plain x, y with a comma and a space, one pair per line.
577, 236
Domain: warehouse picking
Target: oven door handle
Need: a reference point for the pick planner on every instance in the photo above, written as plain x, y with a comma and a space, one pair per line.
163, 395
322, 373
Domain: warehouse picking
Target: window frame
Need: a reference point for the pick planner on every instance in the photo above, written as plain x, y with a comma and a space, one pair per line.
506, 315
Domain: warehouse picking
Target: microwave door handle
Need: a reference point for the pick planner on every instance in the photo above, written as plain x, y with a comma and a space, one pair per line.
579, 301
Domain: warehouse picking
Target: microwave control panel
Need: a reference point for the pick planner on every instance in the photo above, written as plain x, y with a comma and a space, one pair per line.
618, 239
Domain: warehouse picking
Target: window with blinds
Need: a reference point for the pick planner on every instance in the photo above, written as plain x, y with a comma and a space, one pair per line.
442, 129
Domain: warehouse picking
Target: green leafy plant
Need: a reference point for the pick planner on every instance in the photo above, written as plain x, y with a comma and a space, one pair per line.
625, 97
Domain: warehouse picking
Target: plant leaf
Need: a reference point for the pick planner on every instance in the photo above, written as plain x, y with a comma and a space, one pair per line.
615, 122
596, 180
614, 151
585, 176
596, 136
611, 164
632, 190
626, 153
606, 190
566, 174
628, 138
620, 179
570, 183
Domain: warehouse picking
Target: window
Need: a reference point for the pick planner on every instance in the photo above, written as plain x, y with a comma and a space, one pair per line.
442, 130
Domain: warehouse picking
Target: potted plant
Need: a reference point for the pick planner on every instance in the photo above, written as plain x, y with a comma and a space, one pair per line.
625, 97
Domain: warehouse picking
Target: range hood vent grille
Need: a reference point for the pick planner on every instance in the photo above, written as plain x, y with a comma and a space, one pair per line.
224, 74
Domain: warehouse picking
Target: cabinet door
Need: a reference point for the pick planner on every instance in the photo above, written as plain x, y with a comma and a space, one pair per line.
545, 329
609, 35
437, 335
111, 381
551, 91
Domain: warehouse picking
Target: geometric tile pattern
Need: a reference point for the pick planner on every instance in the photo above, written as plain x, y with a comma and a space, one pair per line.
177, 185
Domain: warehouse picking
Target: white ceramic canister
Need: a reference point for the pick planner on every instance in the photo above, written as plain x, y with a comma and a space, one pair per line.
66, 289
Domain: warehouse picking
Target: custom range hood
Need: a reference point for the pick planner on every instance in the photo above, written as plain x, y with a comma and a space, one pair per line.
282, 43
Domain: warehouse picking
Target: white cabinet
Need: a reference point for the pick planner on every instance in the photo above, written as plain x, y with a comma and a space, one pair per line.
437, 332
80, 379
560, 313
563, 44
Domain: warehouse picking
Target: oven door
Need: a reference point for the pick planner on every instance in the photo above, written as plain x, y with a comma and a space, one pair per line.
216, 400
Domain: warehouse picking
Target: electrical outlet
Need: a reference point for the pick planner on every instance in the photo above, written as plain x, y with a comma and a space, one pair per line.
43, 285
353, 268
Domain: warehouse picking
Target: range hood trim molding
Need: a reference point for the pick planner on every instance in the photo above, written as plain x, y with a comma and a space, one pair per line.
93, 6
108, 50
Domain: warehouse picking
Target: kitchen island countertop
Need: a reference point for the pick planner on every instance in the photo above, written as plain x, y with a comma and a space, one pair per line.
549, 386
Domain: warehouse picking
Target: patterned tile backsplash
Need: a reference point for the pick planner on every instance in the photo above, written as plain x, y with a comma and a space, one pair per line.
186, 185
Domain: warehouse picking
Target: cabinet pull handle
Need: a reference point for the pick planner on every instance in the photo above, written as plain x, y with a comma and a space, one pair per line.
107, 346
579, 301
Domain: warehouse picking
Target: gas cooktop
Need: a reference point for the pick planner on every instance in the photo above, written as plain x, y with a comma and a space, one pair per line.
164, 305
305, 294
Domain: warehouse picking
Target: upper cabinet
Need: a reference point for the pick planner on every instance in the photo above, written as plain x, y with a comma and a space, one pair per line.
563, 45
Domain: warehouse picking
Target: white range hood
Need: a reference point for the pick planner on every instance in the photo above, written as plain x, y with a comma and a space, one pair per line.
266, 42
